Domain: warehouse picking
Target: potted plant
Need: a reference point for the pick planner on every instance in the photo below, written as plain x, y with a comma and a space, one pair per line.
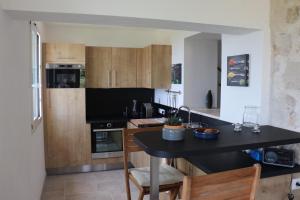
173, 129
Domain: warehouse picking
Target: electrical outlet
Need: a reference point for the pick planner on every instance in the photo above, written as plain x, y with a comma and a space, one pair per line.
296, 184
161, 111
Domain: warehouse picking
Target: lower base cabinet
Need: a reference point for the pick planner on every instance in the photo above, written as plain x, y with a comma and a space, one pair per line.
65, 141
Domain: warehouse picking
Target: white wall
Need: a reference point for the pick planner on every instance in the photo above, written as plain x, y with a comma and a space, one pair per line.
201, 60
177, 42
245, 13
233, 99
106, 35
22, 169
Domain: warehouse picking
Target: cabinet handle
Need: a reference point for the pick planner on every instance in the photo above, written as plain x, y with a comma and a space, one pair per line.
114, 78
108, 78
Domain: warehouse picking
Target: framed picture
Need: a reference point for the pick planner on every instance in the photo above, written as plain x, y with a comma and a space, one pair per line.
238, 70
176, 73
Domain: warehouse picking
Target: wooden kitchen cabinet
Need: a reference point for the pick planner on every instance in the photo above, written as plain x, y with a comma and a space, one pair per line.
108, 67
274, 188
65, 141
188, 168
143, 72
64, 53
140, 158
124, 68
148, 67
98, 67
154, 66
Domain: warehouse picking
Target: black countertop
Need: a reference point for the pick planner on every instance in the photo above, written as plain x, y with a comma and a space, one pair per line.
235, 160
228, 141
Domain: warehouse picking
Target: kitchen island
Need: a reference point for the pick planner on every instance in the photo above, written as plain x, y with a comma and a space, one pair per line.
228, 141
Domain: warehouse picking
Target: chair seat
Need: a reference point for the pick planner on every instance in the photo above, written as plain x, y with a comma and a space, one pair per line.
167, 175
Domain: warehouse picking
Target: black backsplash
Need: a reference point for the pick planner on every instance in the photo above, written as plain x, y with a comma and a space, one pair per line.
112, 103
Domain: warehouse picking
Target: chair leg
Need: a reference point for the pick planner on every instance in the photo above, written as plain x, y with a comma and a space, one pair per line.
127, 184
141, 195
173, 193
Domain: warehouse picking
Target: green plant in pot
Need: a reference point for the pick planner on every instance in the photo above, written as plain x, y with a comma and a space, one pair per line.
173, 122
173, 129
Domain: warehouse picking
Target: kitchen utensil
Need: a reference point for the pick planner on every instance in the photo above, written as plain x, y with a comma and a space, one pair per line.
134, 112
148, 110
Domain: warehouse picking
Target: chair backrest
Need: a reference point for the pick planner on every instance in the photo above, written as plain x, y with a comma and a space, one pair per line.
130, 146
237, 184
128, 143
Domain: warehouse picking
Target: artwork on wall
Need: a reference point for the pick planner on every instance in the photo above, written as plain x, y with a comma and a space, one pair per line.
176, 73
238, 70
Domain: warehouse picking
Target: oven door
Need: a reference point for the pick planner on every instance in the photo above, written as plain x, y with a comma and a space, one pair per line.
107, 143
65, 78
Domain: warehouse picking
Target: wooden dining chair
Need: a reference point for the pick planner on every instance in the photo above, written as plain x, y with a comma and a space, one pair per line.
237, 184
170, 178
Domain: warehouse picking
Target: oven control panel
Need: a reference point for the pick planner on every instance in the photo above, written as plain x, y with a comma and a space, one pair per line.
109, 124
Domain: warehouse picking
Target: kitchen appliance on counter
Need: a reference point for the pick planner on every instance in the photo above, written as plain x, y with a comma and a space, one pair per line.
107, 138
146, 110
65, 76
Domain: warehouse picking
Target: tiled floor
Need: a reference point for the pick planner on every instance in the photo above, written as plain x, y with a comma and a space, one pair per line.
107, 185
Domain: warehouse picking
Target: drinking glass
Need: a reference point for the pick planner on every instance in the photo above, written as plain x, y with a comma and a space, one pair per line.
250, 117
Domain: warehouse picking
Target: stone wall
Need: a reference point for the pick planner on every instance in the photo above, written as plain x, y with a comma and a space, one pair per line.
285, 91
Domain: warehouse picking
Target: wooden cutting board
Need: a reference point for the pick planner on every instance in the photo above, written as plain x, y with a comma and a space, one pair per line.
142, 123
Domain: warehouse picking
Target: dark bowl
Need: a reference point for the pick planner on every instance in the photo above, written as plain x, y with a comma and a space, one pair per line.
206, 133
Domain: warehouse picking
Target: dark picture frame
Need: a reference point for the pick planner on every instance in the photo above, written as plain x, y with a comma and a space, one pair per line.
238, 70
177, 73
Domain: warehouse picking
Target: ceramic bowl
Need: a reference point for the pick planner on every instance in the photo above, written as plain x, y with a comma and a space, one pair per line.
206, 133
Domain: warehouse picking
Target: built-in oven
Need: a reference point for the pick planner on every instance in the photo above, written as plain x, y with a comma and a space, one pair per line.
107, 139
65, 76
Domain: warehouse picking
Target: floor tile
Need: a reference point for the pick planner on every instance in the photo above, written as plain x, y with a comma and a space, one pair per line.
80, 177
89, 196
78, 187
107, 185
57, 195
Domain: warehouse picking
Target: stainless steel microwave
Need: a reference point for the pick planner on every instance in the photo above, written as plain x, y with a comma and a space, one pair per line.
65, 76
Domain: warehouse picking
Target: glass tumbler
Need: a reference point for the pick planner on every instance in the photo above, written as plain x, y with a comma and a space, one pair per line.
250, 117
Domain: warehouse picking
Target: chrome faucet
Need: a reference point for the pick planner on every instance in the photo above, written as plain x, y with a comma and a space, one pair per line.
188, 109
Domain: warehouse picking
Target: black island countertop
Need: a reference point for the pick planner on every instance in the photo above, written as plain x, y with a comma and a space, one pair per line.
228, 141
223, 154
235, 160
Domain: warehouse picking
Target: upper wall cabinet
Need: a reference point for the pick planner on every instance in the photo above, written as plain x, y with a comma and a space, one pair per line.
108, 67
149, 67
63, 53
124, 67
154, 66
98, 67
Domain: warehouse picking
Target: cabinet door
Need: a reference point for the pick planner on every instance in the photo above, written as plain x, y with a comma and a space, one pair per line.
64, 53
65, 127
144, 67
161, 61
98, 67
124, 68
